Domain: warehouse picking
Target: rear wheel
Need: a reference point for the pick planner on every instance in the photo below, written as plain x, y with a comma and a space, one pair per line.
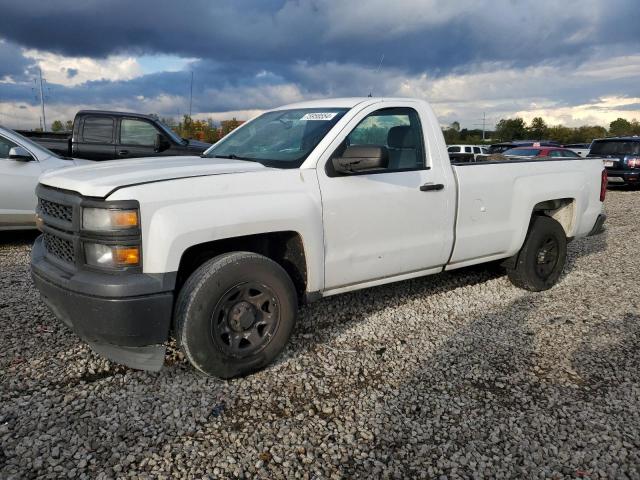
542, 257
235, 314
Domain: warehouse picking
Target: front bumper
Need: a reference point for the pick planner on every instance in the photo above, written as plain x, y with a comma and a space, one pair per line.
623, 177
125, 318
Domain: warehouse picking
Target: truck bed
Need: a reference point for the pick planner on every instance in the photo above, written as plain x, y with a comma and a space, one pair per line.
56, 142
493, 197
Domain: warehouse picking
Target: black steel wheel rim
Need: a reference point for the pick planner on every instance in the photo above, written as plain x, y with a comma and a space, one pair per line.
547, 257
245, 319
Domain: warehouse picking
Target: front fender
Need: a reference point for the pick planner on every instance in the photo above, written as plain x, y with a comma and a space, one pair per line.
179, 214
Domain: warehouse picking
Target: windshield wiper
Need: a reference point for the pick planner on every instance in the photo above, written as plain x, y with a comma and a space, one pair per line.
233, 156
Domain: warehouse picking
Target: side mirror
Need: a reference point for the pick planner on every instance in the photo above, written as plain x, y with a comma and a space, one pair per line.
21, 154
359, 158
160, 143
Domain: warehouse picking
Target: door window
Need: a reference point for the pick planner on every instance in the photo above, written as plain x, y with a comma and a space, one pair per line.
569, 154
5, 146
396, 129
467, 149
137, 132
98, 130
476, 149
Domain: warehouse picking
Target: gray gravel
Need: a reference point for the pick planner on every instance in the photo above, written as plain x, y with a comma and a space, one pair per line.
458, 375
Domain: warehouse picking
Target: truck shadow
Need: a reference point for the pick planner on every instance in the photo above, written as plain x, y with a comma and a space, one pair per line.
332, 316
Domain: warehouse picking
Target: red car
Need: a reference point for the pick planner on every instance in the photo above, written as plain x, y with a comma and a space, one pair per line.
552, 152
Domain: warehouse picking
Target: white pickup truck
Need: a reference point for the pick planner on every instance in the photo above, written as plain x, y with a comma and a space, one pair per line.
305, 201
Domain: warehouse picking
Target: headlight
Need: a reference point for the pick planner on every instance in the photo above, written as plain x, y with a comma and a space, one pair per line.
113, 256
102, 219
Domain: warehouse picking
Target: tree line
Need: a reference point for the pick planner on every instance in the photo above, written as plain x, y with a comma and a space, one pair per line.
509, 129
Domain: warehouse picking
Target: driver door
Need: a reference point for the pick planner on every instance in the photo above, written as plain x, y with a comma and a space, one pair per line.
382, 224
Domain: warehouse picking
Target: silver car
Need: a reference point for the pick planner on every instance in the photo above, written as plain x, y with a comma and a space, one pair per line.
21, 163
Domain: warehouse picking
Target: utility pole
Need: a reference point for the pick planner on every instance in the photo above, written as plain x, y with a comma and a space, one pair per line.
44, 119
191, 94
484, 126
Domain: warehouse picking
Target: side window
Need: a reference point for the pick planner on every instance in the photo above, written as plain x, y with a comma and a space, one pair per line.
98, 130
467, 149
569, 154
476, 150
5, 146
396, 129
556, 153
137, 132
484, 150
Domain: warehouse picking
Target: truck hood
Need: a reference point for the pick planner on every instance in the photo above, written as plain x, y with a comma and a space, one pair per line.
101, 178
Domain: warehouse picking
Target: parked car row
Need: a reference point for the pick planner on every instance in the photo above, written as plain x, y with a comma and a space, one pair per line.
621, 155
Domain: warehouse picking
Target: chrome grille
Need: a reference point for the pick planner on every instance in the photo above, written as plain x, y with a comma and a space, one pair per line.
59, 248
56, 210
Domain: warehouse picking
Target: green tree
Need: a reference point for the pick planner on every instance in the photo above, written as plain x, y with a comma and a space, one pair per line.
620, 127
68, 126
511, 129
451, 136
538, 129
455, 126
227, 126
57, 126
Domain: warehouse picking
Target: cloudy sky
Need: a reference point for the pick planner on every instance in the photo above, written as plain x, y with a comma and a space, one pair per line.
570, 61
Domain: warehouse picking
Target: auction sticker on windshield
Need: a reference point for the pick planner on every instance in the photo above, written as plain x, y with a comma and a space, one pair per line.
319, 116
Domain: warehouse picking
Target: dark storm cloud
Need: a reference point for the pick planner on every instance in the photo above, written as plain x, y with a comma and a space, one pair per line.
250, 52
305, 30
12, 63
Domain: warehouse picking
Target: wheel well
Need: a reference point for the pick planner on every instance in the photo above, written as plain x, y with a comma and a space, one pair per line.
285, 248
561, 210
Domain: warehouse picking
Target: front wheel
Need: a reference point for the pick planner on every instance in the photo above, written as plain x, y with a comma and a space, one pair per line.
235, 314
542, 257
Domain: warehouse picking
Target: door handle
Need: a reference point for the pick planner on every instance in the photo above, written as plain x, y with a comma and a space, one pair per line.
123, 152
431, 187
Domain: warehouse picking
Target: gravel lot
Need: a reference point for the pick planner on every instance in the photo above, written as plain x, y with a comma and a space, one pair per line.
458, 375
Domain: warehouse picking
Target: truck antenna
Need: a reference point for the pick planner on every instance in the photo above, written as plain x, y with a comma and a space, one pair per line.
376, 72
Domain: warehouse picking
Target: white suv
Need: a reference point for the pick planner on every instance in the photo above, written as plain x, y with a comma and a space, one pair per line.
474, 150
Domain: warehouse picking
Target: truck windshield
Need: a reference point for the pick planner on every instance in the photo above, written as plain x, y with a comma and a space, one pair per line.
281, 139
167, 129
615, 147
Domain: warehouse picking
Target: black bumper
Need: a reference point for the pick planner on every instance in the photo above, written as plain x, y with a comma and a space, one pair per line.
123, 317
623, 177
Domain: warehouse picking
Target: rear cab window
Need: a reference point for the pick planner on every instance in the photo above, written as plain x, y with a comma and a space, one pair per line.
617, 147
98, 129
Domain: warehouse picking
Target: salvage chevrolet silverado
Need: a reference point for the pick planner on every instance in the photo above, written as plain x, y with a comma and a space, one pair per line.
305, 201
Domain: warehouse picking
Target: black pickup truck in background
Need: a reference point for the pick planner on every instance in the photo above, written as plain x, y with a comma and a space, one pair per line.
621, 158
102, 135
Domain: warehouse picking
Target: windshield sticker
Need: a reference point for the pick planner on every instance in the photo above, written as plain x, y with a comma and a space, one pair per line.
319, 116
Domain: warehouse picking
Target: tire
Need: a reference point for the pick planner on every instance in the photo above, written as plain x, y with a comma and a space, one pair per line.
235, 314
542, 257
